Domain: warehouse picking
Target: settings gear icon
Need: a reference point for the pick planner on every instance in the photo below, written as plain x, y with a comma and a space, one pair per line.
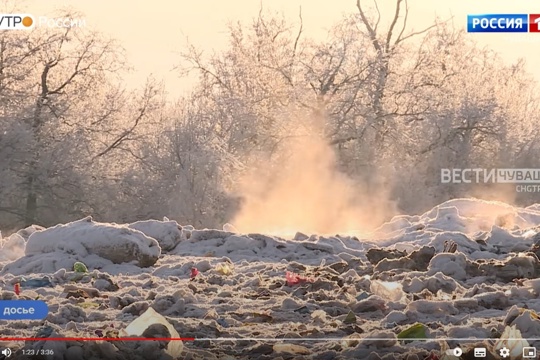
504, 352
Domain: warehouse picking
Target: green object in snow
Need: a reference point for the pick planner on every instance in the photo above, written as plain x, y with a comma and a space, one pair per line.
416, 331
80, 267
350, 319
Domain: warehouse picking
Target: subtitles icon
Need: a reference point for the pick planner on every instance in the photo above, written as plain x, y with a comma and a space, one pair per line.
480, 352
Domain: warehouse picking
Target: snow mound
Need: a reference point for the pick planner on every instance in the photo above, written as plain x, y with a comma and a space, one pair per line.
167, 233
96, 244
12, 248
49, 263
26, 232
217, 243
463, 215
479, 215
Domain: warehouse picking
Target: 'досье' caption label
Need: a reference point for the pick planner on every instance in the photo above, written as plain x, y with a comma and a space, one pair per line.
23, 310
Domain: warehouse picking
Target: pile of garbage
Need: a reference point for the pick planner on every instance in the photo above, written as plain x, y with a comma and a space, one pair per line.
467, 269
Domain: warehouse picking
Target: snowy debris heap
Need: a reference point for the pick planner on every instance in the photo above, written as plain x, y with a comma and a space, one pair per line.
93, 243
167, 233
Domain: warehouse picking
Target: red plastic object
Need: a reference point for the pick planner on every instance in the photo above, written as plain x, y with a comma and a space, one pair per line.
194, 272
295, 279
17, 288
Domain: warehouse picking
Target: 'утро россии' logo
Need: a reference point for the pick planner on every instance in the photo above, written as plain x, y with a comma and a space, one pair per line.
16, 21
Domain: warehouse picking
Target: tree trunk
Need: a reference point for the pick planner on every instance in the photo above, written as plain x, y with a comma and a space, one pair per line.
30, 214
31, 203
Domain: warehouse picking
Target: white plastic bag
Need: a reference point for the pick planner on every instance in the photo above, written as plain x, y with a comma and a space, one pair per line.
150, 317
392, 291
512, 340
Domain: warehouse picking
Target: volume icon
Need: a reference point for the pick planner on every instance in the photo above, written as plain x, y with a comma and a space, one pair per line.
6, 352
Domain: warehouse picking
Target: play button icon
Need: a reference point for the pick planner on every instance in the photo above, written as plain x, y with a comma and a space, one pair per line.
457, 352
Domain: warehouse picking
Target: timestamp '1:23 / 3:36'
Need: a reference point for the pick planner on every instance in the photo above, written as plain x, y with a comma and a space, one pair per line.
37, 352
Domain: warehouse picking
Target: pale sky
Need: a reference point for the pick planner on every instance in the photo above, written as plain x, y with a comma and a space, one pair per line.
154, 32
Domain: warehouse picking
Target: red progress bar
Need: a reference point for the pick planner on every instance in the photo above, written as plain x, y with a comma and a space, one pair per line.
97, 339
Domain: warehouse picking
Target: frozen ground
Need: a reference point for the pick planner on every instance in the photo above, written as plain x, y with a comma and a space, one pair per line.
467, 269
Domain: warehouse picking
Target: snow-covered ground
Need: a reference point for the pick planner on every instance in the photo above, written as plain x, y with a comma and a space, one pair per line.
465, 270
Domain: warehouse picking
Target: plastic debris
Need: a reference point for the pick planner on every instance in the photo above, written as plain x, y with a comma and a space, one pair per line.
392, 291
259, 317
416, 331
36, 283
362, 296
108, 332
295, 279
80, 267
112, 334
80, 292
302, 310
350, 319
88, 305
222, 322
224, 269
151, 317
44, 332
512, 340
194, 273
17, 288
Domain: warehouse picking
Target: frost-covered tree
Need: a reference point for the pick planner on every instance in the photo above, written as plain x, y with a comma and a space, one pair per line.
398, 104
394, 104
61, 100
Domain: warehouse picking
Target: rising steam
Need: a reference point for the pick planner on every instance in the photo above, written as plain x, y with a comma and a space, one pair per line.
301, 189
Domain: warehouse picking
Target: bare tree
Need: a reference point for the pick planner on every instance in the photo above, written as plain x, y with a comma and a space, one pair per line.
61, 94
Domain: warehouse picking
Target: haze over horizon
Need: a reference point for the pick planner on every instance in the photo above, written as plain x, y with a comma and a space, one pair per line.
155, 33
